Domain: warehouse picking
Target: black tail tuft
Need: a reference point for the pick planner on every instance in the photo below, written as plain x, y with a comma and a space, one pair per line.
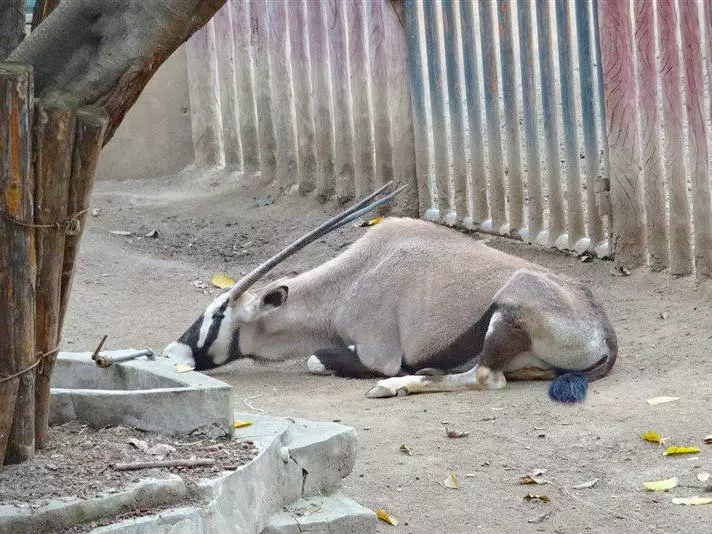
568, 388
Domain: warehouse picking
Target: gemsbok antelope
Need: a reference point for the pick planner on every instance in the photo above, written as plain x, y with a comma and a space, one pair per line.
425, 307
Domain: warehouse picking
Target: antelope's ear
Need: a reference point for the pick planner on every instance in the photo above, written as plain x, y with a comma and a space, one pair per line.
274, 298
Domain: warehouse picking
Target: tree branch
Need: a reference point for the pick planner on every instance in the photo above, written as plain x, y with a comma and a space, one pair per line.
105, 51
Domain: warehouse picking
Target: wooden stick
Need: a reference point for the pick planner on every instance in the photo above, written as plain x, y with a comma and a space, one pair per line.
18, 264
135, 466
55, 122
88, 140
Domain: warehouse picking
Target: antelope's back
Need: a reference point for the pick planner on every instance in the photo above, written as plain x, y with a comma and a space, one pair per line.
423, 284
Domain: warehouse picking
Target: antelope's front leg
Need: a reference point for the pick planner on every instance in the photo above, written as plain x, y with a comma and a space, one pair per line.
479, 377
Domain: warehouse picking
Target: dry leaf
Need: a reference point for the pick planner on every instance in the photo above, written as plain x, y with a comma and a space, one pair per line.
183, 368
708, 440
586, 485
536, 497
531, 479
662, 400
405, 450
653, 437
372, 222
240, 424
703, 477
222, 281
661, 485
672, 449
386, 517
153, 234
455, 433
692, 501
451, 481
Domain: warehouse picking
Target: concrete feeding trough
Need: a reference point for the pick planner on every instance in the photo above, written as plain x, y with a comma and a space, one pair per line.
146, 394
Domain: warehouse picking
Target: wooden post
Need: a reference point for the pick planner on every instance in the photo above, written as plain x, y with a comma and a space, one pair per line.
358, 62
574, 192
204, 91
673, 117
55, 119
18, 265
243, 79
401, 135
417, 96
281, 96
588, 119
471, 55
557, 218
379, 54
628, 236
306, 159
433, 38
343, 146
225, 56
263, 96
321, 101
535, 212
42, 10
494, 136
650, 141
511, 117
88, 140
457, 122
697, 139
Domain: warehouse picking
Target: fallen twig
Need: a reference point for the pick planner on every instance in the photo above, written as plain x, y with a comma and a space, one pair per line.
134, 466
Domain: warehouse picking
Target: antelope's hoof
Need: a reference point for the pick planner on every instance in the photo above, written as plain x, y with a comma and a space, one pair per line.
380, 392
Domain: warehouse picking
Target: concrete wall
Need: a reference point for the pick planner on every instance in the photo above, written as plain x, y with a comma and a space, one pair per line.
155, 137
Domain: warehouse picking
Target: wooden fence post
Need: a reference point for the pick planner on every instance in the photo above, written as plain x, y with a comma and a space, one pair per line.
650, 141
417, 96
628, 235
298, 35
18, 266
697, 139
673, 116
55, 120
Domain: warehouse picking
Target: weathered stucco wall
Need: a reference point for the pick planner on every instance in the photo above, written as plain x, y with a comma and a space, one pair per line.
155, 137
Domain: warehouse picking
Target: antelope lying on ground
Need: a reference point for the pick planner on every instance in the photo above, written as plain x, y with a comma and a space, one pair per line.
412, 301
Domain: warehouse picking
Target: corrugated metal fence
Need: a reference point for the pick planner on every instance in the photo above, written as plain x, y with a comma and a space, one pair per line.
501, 114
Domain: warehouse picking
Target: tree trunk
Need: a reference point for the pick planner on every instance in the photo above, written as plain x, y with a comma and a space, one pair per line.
17, 262
12, 25
76, 51
55, 124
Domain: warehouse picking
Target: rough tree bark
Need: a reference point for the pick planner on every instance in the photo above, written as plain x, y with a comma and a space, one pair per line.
12, 25
105, 51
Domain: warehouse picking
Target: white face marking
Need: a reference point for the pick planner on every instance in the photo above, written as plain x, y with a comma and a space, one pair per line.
179, 352
208, 318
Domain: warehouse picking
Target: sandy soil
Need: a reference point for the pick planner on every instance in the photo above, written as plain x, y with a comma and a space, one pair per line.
139, 292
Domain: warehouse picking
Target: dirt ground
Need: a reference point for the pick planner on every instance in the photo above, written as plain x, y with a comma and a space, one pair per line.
139, 292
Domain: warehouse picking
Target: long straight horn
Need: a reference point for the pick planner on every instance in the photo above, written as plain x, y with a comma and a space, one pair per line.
354, 212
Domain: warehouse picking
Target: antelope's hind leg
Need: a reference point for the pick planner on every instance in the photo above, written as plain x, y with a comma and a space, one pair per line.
505, 339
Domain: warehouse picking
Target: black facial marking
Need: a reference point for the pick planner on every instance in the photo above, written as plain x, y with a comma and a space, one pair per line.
344, 362
202, 360
461, 351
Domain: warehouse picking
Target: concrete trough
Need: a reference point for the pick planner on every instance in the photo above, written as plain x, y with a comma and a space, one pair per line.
150, 395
